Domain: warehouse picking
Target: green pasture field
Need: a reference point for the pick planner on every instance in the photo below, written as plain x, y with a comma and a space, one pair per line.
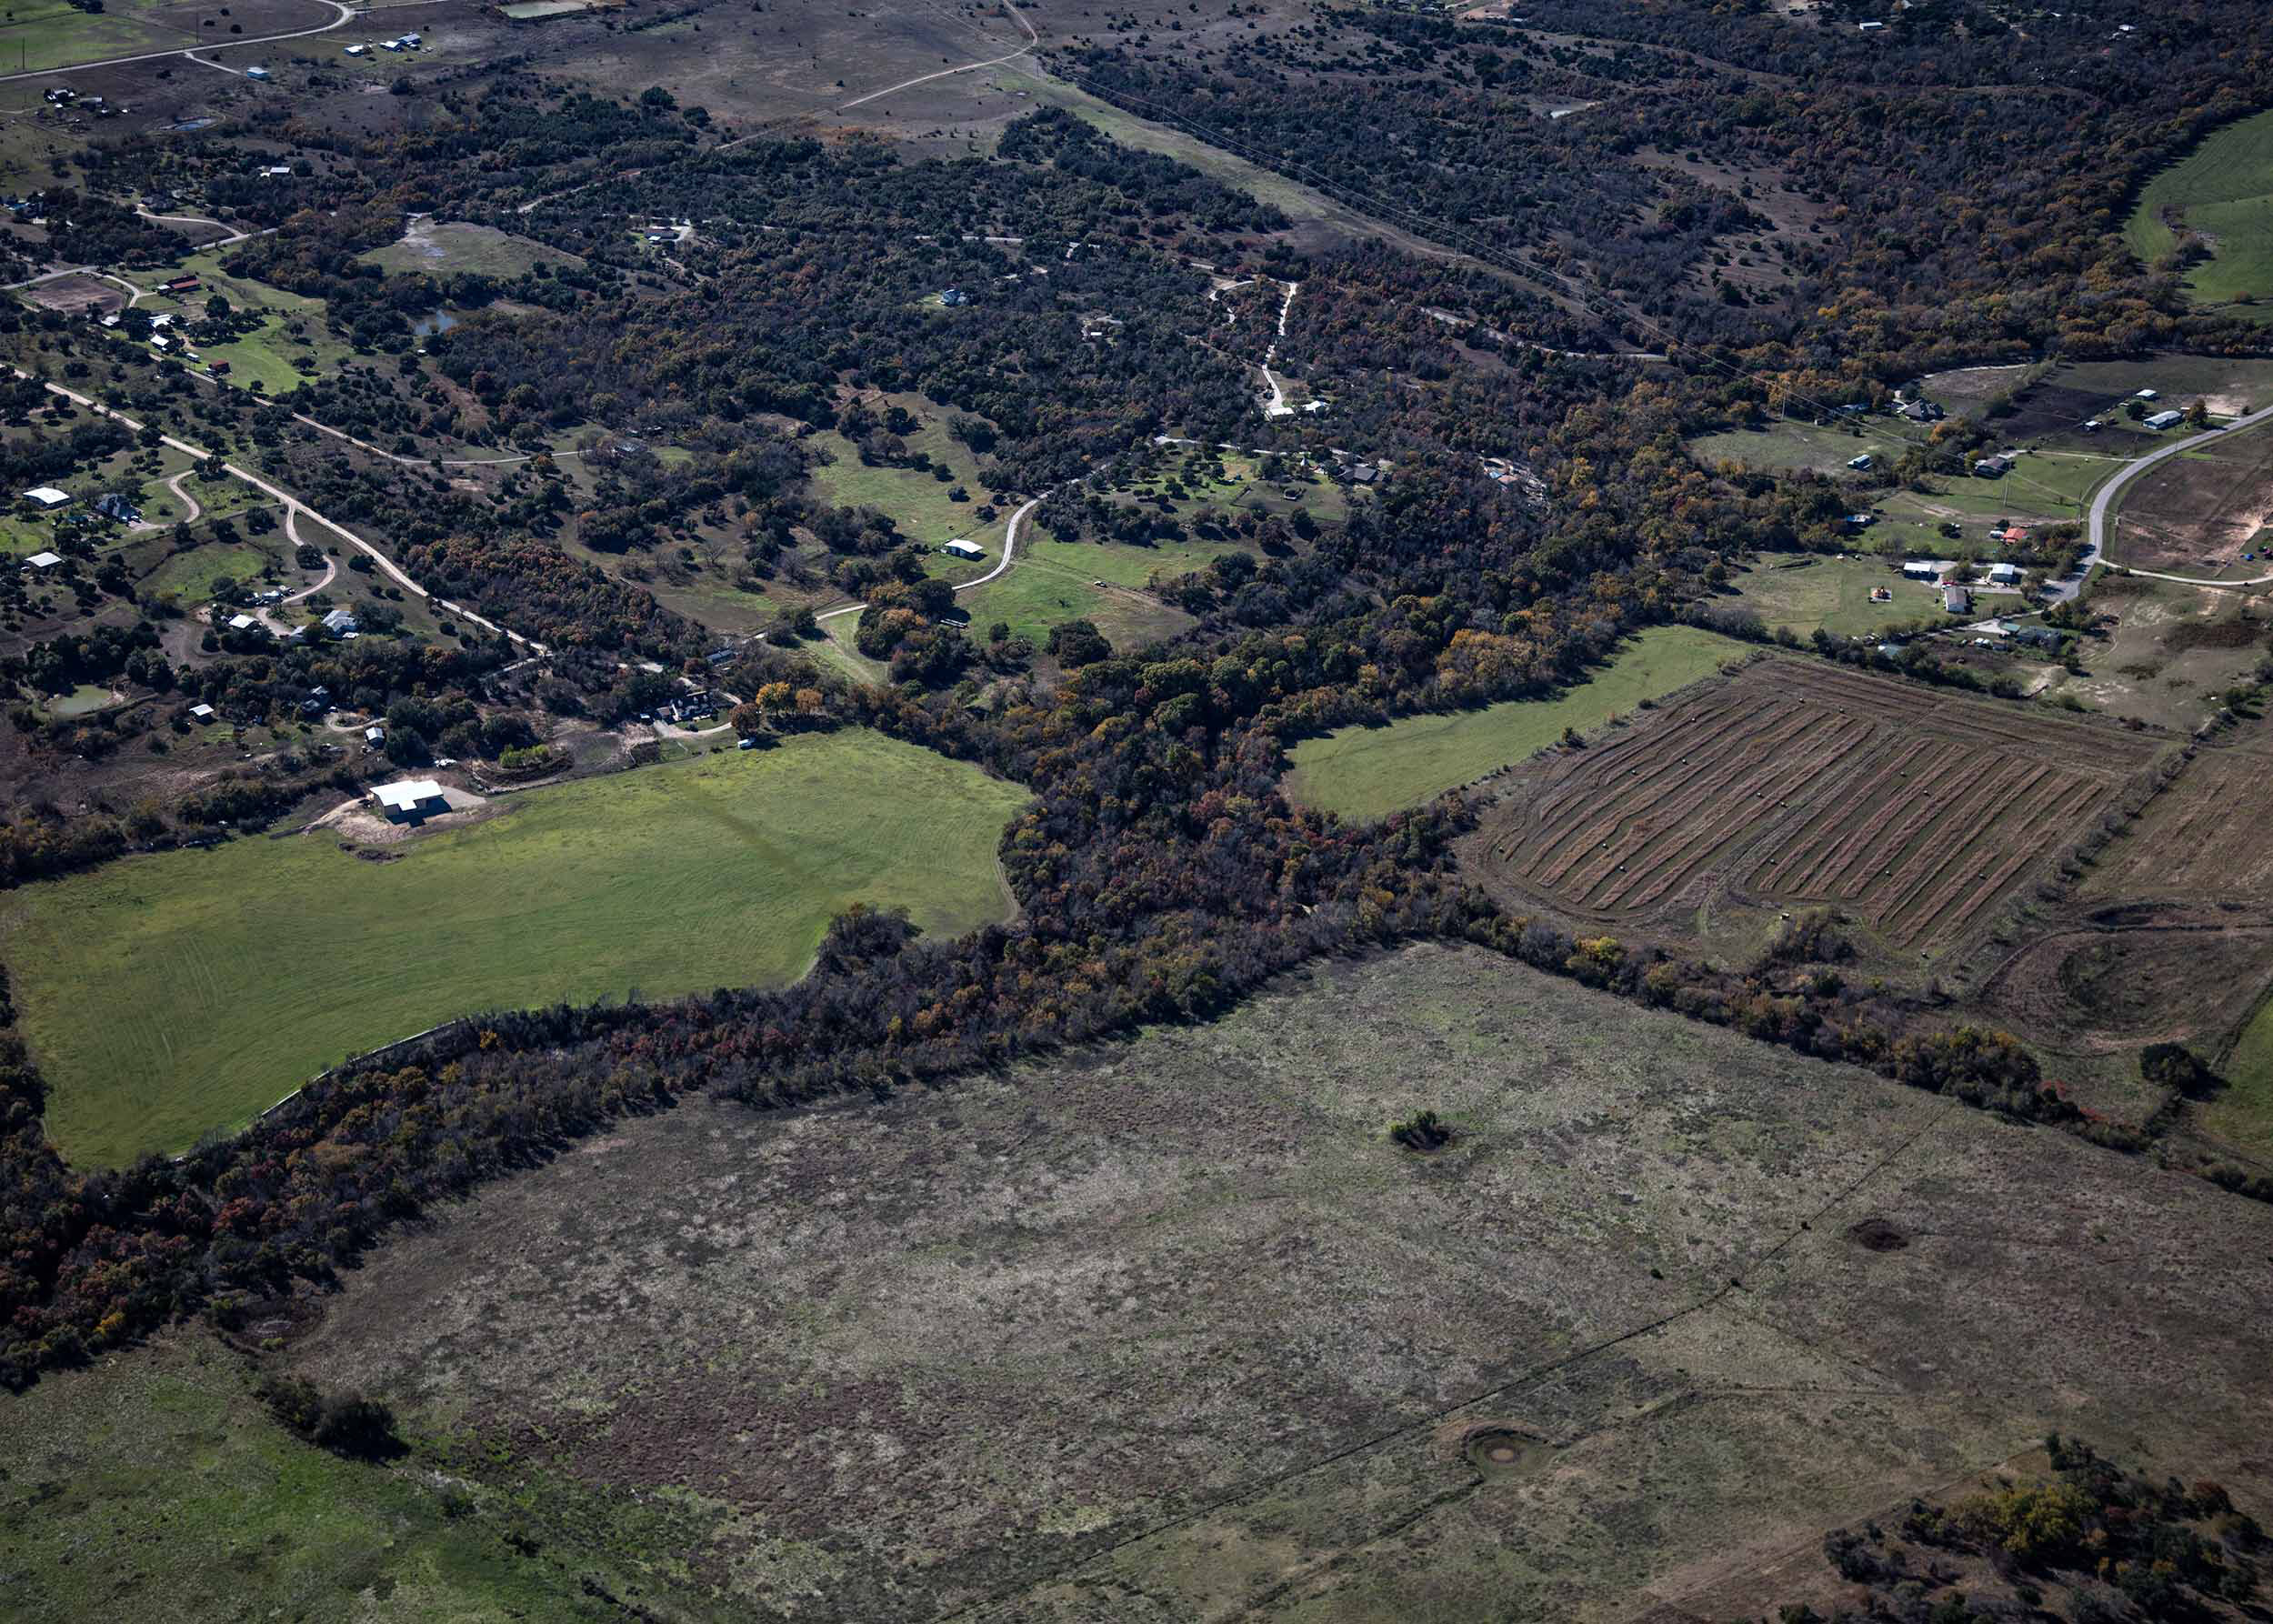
226, 1505
2223, 190
454, 248
2242, 1115
917, 502
272, 354
1787, 445
37, 34
1370, 772
1811, 594
1048, 588
171, 994
188, 577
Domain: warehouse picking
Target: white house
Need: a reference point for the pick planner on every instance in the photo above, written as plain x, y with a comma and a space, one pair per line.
339, 621
1956, 600
2004, 575
411, 800
44, 561
1921, 569
47, 496
960, 548
2166, 420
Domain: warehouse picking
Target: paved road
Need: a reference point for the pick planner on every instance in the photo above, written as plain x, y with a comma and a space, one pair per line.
2098, 546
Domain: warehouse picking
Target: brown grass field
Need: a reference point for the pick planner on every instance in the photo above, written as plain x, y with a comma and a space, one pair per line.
1797, 784
2200, 510
1171, 1331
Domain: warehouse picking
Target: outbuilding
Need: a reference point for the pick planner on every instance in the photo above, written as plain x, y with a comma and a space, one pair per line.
47, 496
44, 561
2004, 575
2162, 420
960, 548
411, 800
1923, 569
1956, 600
245, 623
201, 713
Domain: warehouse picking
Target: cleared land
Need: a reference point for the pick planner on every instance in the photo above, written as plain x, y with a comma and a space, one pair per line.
38, 35
2167, 653
2223, 193
1370, 772
1795, 784
1171, 1331
2200, 511
2242, 1117
172, 994
458, 247
1810, 594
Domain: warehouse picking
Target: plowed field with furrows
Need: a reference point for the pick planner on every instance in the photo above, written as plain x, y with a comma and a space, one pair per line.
1802, 784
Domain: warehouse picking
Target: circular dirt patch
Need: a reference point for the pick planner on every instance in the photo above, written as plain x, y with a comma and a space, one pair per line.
1504, 1452
1875, 1234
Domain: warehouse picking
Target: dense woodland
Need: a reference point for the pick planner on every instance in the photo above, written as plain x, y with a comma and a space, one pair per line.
1161, 871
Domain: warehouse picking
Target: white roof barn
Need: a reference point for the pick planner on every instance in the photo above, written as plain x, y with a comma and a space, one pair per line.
961, 548
44, 561
412, 799
47, 496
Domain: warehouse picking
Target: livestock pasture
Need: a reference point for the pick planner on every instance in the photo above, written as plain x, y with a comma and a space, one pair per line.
169, 994
1671, 1303
1797, 784
2221, 193
1371, 771
1810, 593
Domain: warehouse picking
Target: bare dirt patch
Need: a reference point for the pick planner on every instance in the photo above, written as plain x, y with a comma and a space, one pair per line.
2199, 510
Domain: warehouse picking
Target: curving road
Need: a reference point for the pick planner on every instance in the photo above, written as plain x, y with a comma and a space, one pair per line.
2097, 549
293, 508
346, 14
1009, 546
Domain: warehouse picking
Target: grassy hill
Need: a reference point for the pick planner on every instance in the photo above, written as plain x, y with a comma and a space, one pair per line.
2223, 190
172, 994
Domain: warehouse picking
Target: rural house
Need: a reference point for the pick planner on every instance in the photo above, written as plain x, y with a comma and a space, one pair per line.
339, 621
111, 505
2004, 575
1921, 569
961, 548
2162, 420
1956, 600
411, 800
1993, 468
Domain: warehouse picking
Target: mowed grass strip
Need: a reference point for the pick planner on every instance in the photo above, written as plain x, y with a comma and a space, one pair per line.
2241, 1114
171, 994
1370, 772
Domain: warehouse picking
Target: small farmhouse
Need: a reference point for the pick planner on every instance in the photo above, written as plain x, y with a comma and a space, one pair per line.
1956, 600
339, 621
2161, 420
2004, 575
960, 548
1993, 468
1921, 569
411, 800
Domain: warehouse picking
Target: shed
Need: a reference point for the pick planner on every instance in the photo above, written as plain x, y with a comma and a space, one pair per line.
47, 496
260, 74
411, 800
201, 713
2166, 420
374, 735
2146, 395
1923, 569
1992, 467
961, 548
1859, 462
245, 623
44, 561
2004, 575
